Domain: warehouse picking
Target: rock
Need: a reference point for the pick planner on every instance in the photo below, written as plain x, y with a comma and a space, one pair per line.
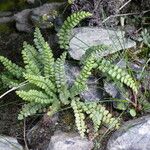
30, 1
22, 21
69, 141
6, 16
38, 136
44, 16
5, 13
9, 143
85, 37
26, 19
134, 135
94, 92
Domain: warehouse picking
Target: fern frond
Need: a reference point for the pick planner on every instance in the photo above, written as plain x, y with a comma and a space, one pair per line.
117, 73
12, 67
46, 53
65, 32
80, 83
43, 83
29, 110
98, 114
96, 51
9, 81
34, 96
30, 56
79, 117
60, 78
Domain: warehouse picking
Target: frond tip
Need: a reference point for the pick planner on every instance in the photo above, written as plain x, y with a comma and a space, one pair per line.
65, 32
14, 69
117, 74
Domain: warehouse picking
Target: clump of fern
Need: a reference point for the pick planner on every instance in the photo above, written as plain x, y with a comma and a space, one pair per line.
46, 85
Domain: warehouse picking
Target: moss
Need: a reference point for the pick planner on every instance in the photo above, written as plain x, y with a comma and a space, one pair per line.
8, 5
5, 28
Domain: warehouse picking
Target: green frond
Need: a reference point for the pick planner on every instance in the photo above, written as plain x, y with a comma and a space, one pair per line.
42, 82
60, 79
46, 53
80, 83
98, 114
29, 110
96, 51
79, 117
65, 32
117, 73
30, 56
34, 96
12, 67
9, 81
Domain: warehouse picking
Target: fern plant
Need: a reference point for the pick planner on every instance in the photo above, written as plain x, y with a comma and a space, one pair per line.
47, 84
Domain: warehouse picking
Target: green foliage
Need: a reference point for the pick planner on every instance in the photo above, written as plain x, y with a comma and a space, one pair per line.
30, 109
60, 78
96, 51
117, 74
11, 67
80, 84
96, 112
47, 86
108, 67
34, 96
47, 83
29, 55
93, 54
65, 31
46, 53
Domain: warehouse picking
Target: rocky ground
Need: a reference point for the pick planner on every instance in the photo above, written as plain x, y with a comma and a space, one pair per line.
59, 132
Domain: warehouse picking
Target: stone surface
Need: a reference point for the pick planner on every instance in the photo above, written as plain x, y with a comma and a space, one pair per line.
44, 16
94, 92
31, 1
28, 18
9, 143
69, 141
133, 135
22, 21
84, 37
38, 137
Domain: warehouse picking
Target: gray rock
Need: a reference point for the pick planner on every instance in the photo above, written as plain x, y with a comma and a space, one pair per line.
5, 13
94, 92
22, 21
49, 10
38, 136
31, 1
28, 18
85, 37
134, 135
69, 141
9, 143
